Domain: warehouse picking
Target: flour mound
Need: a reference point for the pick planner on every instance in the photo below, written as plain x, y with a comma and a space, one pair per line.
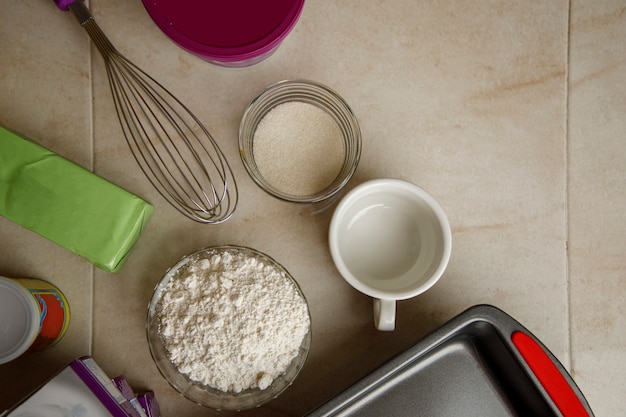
232, 321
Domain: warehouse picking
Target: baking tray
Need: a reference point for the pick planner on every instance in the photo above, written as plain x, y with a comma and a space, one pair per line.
480, 363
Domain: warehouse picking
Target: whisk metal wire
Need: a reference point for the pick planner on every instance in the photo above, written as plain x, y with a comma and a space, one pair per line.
165, 137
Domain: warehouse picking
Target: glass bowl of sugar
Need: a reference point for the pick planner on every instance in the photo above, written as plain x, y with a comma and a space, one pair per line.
300, 141
229, 328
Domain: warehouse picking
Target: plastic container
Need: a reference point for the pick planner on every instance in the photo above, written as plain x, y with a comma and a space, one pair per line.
235, 33
34, 315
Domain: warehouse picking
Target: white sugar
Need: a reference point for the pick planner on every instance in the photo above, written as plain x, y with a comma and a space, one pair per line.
298, 148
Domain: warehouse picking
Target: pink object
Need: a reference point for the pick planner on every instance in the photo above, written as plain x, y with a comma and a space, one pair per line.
234, 33
64, 4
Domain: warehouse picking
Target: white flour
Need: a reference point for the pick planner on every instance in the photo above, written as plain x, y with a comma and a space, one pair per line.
232, 321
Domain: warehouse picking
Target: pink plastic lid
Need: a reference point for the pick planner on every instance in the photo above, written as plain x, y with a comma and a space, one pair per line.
227, 31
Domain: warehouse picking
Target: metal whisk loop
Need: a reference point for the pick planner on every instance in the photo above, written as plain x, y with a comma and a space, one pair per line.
172, 147
176, 168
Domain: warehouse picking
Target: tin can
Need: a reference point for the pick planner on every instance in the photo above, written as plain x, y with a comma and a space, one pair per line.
34, 315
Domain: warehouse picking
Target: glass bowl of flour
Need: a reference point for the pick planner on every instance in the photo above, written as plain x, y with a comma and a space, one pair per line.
228, 327
300, 141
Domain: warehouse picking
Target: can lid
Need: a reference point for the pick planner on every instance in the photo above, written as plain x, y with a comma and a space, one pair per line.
230, 30
19, 320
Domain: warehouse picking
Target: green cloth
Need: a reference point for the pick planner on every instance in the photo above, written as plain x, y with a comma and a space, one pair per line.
68, 204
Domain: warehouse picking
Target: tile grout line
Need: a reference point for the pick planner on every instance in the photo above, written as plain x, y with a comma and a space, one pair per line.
567, 179
92, 162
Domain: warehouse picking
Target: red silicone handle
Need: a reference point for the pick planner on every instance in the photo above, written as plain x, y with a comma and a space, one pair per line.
549, 376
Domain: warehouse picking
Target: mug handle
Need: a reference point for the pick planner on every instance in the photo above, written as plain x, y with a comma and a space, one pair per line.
385, 314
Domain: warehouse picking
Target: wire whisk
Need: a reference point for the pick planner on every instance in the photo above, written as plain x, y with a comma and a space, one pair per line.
172, 147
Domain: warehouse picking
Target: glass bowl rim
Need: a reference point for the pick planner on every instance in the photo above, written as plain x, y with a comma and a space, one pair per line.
349, 114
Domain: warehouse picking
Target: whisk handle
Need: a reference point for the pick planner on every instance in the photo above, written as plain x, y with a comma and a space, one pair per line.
64, 4
78, 8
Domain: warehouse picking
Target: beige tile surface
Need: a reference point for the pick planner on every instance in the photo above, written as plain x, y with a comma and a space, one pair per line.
509, 114
45, 95
597, 202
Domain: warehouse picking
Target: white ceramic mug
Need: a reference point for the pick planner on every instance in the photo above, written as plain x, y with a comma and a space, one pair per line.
390, 240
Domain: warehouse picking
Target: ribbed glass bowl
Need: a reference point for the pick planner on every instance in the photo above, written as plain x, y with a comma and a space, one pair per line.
309, 92
202, 394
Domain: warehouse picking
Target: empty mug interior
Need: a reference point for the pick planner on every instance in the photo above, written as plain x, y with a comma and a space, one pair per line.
390, 241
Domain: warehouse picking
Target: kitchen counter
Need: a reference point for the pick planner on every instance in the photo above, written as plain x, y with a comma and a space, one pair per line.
511, 114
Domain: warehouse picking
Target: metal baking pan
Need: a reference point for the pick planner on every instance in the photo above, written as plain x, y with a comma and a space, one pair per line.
480, 363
